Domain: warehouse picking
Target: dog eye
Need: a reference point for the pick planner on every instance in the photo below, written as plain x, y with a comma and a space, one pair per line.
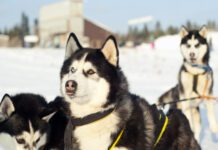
37, 140
34, 143
197, 45
73, 70
20, 141
90, 72
188, 46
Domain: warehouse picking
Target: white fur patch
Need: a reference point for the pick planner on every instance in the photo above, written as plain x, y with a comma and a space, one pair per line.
97, 135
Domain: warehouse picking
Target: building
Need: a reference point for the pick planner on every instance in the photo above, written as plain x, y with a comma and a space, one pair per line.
57, 20
4, 40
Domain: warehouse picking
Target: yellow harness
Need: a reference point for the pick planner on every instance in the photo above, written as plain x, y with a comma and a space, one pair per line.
162, 130
156, 142
117, 140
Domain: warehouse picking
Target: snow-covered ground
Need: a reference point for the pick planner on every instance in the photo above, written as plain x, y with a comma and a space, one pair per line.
150, 73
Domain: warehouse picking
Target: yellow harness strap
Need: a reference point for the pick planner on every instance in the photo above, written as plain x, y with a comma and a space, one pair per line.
117, 140
162, 131
156, 142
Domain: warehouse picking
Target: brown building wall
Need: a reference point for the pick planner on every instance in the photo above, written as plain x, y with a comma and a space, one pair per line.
96, 34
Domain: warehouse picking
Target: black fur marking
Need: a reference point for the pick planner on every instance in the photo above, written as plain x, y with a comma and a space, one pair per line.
57, 123
195, 84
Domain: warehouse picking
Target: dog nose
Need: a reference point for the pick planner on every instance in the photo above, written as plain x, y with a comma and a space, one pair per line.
71, 84
192, 54
71, 87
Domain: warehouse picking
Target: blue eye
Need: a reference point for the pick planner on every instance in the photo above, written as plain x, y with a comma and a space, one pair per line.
73, 70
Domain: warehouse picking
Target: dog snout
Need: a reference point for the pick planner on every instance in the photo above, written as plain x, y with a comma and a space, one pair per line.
71, 87
192, 55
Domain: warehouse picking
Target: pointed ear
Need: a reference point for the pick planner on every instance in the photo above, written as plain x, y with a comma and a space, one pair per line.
183, 32
110, 50
72, 45
6, 107
48, 116
203, 31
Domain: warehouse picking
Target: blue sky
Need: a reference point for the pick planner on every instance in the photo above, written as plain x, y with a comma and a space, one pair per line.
116, 13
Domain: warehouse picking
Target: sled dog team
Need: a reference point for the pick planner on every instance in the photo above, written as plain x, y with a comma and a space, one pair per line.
98, 112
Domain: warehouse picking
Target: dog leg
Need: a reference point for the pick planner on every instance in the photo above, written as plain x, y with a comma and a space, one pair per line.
193, 116
196, 117
211, 116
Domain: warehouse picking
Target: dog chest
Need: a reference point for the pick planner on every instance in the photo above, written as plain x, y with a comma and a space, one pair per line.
97, 135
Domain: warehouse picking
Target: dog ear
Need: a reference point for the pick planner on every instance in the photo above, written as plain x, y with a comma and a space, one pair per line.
203, 31
72, 45
6, 107
47, 116
110, 50
183, 32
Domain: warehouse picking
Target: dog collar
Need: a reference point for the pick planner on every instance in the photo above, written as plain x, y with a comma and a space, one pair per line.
204, 68
91, 118
74, 122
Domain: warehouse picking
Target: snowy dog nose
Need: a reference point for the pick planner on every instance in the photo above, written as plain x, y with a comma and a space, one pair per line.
192, 54
71, 87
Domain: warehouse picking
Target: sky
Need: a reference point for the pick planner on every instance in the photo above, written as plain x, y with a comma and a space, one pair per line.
116, 13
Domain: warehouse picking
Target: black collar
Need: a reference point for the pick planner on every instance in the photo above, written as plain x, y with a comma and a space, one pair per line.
73, 122
91, 118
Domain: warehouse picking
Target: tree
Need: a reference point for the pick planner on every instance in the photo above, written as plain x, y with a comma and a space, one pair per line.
158, 30
172, 30
24, 27
15, 31
5, 31
189, 25
36, 27
211, 25
25, 24
145, 33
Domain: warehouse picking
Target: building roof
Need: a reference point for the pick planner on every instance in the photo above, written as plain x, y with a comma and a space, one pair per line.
99, 24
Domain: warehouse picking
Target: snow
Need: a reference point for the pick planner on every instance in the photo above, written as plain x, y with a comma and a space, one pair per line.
149, 72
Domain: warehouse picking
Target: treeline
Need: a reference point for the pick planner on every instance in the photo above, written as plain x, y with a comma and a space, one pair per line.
146, 34
19, 31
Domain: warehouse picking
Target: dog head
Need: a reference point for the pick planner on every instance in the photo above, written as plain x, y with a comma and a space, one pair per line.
89, 77
19, 118
194, 46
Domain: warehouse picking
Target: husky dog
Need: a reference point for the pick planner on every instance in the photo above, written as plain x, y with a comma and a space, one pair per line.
105, 115
25, 117
195, 79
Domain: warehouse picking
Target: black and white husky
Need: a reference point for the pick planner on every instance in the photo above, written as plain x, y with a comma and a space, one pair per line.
30, 123
195, 79
105, 115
